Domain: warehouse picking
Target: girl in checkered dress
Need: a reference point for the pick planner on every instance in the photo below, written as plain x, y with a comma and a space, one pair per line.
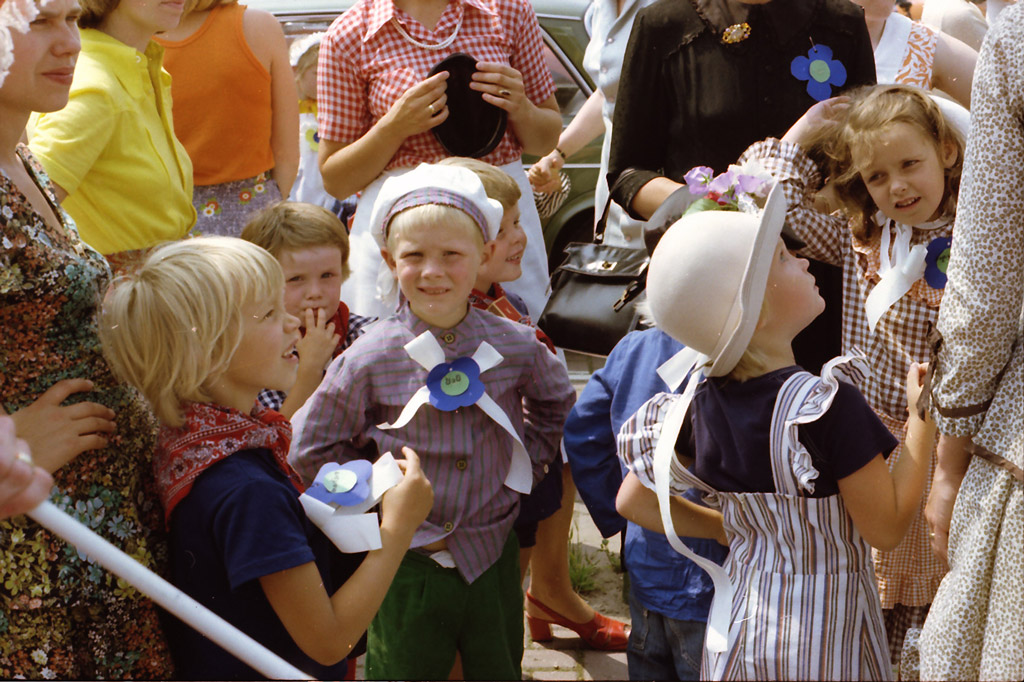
894, 162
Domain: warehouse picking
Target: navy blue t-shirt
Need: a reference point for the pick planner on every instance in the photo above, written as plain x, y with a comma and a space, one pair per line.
731, 424
241, 521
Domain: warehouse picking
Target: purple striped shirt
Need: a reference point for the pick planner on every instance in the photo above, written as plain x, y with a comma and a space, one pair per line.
464, 453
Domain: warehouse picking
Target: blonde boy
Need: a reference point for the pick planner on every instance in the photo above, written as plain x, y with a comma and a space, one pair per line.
311, 245
429, 377
200, 330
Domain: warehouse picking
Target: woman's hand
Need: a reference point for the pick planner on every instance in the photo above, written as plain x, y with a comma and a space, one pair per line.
503, 87
420, 108
544, 175
22, 485
59, 433
816, 120
953, 460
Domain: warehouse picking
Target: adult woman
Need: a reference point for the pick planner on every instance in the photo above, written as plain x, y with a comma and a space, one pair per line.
376, 108
975, 629
61, 616
119, 170
230, 73
608, 22
705, 78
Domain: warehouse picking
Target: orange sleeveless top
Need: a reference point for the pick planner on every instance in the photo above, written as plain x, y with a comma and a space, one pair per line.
221, 100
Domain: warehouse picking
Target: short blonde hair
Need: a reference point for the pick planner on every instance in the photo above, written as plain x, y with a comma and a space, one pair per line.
498, 184
295, 225
432, 214
307, 60
171, 328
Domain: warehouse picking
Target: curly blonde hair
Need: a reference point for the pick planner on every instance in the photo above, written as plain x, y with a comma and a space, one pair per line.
873, 110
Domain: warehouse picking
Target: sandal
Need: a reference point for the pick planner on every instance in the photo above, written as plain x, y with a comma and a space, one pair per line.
600, 632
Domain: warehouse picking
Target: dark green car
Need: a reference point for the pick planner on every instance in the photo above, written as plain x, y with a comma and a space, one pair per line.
565, 40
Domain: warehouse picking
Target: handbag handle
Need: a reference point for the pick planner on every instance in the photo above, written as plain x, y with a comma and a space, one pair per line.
602, 224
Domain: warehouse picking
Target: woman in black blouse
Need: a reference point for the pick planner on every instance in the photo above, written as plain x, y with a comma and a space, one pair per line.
703, 79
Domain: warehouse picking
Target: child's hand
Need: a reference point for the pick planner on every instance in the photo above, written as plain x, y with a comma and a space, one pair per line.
406, 505
915, 386
543, 175
816, 120
317, 346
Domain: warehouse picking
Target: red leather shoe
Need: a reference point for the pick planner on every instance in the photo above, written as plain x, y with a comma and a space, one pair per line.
600, 632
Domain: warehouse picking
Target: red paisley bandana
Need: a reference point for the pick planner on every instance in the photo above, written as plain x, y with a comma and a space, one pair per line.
211, 433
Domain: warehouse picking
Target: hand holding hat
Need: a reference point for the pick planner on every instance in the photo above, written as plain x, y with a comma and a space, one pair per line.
502, 86
420, 108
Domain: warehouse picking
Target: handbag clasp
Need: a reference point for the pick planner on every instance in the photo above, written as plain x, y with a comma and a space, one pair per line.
602, 265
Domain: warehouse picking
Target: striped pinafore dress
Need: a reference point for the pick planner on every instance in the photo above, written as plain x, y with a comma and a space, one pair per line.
804, 604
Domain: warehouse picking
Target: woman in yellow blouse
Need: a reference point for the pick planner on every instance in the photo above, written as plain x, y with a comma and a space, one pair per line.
119, 170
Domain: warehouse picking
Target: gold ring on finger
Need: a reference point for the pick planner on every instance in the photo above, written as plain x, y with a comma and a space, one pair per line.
430, 107
505, 93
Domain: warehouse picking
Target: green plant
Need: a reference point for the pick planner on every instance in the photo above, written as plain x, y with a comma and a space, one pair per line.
614, 558
582, 565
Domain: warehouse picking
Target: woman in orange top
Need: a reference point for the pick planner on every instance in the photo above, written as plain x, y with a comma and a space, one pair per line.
235, 110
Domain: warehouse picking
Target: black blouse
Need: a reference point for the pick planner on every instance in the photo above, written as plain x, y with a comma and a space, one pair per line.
686, 99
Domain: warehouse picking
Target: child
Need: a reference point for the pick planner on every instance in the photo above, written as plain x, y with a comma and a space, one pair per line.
545, 516
200, 330
311, 245
794, 461
304, 55
896, 172
458, 589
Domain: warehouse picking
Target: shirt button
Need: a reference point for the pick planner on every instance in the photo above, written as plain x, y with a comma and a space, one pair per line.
448, 337
604, 69
545, 468
448, 526
610, 40
461, 464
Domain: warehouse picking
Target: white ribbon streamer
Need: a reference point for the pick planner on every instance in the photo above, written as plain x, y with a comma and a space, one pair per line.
351, 529
717, 637
427, 353
674, 370
898, 274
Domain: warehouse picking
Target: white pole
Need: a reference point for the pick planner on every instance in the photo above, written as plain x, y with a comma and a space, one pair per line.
236, 642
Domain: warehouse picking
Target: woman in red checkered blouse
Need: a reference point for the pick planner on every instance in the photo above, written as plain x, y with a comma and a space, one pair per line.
377, 108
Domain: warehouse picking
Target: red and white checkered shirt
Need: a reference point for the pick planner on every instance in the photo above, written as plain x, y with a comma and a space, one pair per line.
366, 64
901, 336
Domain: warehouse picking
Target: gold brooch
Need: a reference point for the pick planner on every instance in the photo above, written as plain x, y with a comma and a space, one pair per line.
736, 33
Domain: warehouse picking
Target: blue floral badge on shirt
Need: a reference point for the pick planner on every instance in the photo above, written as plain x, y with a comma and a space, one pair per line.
936, 261
454, 385
821, 72
345, 484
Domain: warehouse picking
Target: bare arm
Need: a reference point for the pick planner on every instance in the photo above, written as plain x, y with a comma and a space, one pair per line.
881, 504
584, 127
349, 168
953, 458
327, 628
639, 504
266, 38
652, 195
22, 485
953, 72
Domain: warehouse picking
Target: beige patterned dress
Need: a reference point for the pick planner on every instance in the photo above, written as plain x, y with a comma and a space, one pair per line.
976, 626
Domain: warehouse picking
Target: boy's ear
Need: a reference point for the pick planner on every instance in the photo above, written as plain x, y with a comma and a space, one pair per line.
386, 255
488, 252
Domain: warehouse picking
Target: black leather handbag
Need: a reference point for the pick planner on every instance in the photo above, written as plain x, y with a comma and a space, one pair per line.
588, 311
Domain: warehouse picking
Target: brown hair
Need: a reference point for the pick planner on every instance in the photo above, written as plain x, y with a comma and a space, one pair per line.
95, 11
873, 110
498, 184
298, 225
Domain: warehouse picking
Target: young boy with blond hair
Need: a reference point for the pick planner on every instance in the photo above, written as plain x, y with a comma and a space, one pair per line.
311, 244
481, 400
200, 329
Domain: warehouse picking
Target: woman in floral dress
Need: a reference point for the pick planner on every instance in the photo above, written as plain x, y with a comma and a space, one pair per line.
62, 616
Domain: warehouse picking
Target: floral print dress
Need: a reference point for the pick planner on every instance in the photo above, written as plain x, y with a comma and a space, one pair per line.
61, 615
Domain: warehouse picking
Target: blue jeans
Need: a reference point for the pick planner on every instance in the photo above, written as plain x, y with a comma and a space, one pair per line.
662, 648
